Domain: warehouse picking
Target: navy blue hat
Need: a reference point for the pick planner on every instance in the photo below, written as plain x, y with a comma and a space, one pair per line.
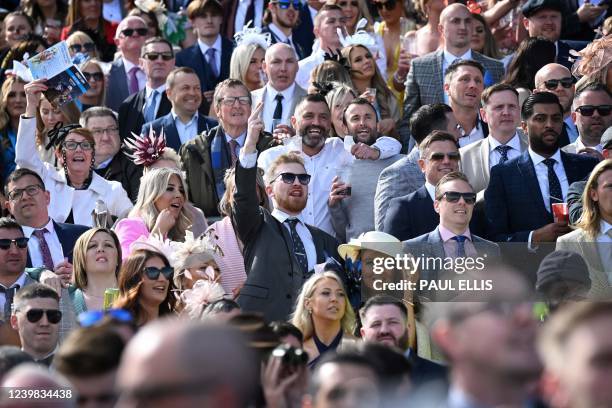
533, 6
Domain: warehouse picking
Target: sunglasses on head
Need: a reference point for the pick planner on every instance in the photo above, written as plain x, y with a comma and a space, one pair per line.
96, 76
289, 178
128, 32
53, 315
152, 272
454, 196
93, 317
454, 156
389, 5
87, 47
552, 84
154, 56
21, 243
285, 5
589, 110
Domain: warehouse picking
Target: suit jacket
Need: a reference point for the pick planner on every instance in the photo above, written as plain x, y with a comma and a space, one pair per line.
304, 33
274, 278
260, 95
131, 117
475, 161
67, 235
117, 87
299, 50
411, 215
123, 170
424, 370
192, 57
513, 199
172, 137
574, 200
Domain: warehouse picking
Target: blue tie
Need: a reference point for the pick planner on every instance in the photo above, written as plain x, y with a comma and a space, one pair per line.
460, 245
503, 151
149, 114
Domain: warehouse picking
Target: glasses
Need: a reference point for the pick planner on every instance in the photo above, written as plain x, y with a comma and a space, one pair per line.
108, 131
289, 178
96, 76
285, 5
31, 191
152, 272
53, 315
552, 84
21, 243
128, 32
85, 145
154, 56
589, 110
229, 100
348, 3
87, 47
91, 318
453, 156
454, 196
389, 5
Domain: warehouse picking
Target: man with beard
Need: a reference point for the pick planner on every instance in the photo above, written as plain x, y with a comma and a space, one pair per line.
280, 249
323, 157
385, 320
282, 18
353, 212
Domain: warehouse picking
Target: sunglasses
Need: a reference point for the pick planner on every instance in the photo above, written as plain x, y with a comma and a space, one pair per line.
21, 243
552, 84
453, 156
87, 47
53, 315
128, 32
285, 5
589, 110
154, 56
348, 3
389, 5
289, 178
96, 76
85, 145
153, 273
93, 317
454, 196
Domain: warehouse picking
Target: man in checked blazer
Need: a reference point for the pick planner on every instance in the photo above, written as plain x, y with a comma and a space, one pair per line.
424, 84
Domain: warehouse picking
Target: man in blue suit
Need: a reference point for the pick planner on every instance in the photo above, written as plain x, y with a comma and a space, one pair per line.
184, 122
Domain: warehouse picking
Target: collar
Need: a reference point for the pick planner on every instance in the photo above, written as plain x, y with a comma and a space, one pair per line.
287, 93
105, 163
19, 281
604, 227
28, 231
458, 398
282, 216
149, 90
431, 189
193, 118
216, 45
240, 139
278, 33
537, 159
514, 143
128, 65
449, 58
447, 234
580, 146
477, 126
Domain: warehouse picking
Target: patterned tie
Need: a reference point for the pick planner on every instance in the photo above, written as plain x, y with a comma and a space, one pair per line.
554, 187
278, 111
44, 248
149, 114
133, 80
298, 246
233, 147
9, 294
503, 150
460, 245
210, 58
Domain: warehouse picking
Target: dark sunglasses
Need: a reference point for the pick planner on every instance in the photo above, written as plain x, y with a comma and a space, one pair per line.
454, 156
93, 317
285, 5
21, 243
154, 56
53, 315
153, 273
552, 84
87, 47
348, 3
289, 178
128, 32
589, 110
389, 5
454, 196
96, 76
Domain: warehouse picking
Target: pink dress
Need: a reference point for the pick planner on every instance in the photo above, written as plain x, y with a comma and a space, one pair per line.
129, 230
231, 264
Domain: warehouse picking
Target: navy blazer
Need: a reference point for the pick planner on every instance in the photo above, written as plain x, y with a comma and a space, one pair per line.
67, 235
299, 50
304, 33
411, 215
192, 57
172, 137
131, 117
117, 87
513, 201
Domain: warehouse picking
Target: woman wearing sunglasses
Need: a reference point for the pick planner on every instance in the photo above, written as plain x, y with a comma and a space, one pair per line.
75, 187
80, 42
146, 286
96, 94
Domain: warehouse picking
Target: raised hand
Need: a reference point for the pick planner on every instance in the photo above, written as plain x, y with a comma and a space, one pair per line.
33, 92
255, 126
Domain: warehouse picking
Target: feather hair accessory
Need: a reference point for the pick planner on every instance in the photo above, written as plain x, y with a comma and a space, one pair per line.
361, 37
593, 58
155, 243
146, 149
192, 250
253, 35
202, 293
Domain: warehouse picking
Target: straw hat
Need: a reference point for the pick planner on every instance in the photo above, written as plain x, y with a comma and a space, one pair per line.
373, 240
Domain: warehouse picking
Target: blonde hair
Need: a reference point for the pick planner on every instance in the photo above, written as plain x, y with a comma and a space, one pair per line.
152, 185
280, 160
6, 89
102, 97
338, 93
82, 37
301, 317
591, 217
241, 59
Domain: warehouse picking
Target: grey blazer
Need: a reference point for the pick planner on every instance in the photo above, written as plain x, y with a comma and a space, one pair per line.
117, 85
260, 94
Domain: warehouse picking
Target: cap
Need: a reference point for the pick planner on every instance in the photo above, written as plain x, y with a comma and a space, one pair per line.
533, 6
564, 266
606, 139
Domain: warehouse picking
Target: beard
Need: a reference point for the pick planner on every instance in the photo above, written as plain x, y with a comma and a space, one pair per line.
536, 141
310, 140
368, 140
291, 204
401, 342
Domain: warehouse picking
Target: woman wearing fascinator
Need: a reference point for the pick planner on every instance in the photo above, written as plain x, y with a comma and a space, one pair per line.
248, 57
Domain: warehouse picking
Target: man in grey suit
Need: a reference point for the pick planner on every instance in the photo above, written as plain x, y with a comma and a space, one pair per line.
501, 111
424, 84
281, 94
405, 176
126, 77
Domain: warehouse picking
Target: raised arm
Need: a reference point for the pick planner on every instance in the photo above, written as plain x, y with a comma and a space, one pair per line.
26, 154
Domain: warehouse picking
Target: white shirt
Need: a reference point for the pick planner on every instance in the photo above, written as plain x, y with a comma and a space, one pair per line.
303, 232
604, 247
431, 190
475, 134
186, 131
148, 92
495, 155
140, 75
217, 46
541, 171
112, 11
449, 59
306, 66
241, 12
270, 105
53, 242
579, 145
313, 13
20, 281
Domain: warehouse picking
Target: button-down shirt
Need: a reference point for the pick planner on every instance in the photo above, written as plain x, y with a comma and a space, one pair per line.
495, 156
217, 46
186, 131
20, 281
579, 145
241, 12
449, 59
450, 245
541, 171
53, 242
475, 134
140, 75
270, 105
148, 92
303, 232
306, 66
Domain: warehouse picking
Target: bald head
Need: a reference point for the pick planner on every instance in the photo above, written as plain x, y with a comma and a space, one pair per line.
37, 377
451, 10
551, 71
281, 66
557, 79
130, 22
456, 28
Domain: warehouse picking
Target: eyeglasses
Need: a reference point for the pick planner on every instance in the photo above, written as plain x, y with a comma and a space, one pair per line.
128, 32
87, 47
21, 243
389, 5
454, 196
93, 317
285, 5
85, 145
31, 191
453, 156
348, 3
552, 84
152, 272
154, 56
53, 315
108, 131
289, 178
96, 76
229, 100
589, 110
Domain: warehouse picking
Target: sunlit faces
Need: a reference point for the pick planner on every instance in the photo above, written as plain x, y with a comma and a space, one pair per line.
390, 10
12, 260
456, 26
466, 86
544, 128
78, 160
154, 291
385, 324
102, 254
91, 9
435, 169
201, 271
477, 42
337, 111
329, 21
350, 9
236, 114
284, 18
185, 93
280, 66
502, 112
16, 100
253, 74
39, 338
312, 121
456, 214
328, 300
362, 62
106, 136
602, 195
591, 128
557, 72
545, 23
158, 69
173, 198
207, 26
49, 114
28, 209
95, 78
290, 198
135, 41
16, 28
361, 123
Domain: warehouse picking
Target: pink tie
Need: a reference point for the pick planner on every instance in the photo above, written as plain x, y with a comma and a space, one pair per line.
233, 144
133, 80
44, 248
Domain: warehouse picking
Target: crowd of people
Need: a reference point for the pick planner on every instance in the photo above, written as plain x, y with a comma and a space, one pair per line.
308, 203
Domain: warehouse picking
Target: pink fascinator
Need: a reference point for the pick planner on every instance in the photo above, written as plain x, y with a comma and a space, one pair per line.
146, 149
203, 293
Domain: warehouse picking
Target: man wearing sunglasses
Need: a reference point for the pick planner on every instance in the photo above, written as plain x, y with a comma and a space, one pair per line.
126, 77
282, 18
36, 316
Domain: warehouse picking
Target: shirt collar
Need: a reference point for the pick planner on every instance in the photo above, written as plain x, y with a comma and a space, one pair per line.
580, 146
28, 231
19, 281
537, 159
240, 139
604, 226
128, 65
105, 163
447, 234
204, 47
514, 143
193, 118
431, 189
287, 93
149, 90
449, 58
278, 33
282, 216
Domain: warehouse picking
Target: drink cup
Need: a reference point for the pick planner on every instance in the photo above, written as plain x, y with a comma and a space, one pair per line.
344, 176
294, 143
110, 295
560, 212
409, 44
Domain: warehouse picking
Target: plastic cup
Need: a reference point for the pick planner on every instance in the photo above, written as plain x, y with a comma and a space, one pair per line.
294, 143
344, 176
560, 212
